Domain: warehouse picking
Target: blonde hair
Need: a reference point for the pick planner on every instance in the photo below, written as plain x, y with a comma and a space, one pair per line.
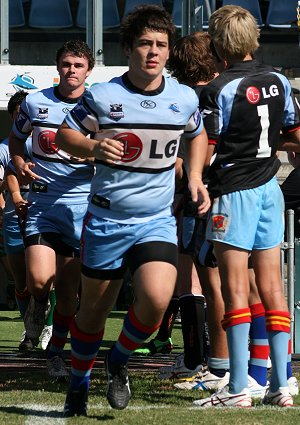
234, 30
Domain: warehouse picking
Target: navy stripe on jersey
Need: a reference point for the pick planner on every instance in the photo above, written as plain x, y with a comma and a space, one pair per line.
136, 169
146, 126
41, 124
64, 161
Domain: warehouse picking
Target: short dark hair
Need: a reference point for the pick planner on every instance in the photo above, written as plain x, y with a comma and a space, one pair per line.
146, 17
191, 59
16, 100
76, 48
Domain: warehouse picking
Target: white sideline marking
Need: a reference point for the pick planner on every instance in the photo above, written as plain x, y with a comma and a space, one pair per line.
41, 414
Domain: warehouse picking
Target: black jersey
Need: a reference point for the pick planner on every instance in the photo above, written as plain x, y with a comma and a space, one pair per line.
244, 110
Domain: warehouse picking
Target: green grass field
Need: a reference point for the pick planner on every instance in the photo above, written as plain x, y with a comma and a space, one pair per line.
29, 397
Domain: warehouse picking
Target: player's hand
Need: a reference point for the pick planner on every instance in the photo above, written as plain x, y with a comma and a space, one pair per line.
21, 208
109, 150
199, 195
25, 173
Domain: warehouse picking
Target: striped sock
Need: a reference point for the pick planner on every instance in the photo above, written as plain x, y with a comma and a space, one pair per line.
61, 326
85, 348
22, 300
218, 366
278, 328
237, 325
259, 345
289, 371
132, 336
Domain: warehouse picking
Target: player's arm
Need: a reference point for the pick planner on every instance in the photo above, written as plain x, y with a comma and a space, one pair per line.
77, 144
290, 141
196, 154
16, 150
13, 186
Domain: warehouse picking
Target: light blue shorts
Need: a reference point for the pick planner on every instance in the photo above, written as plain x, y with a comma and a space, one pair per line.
13, 241
65, 220
248, 219
106, 246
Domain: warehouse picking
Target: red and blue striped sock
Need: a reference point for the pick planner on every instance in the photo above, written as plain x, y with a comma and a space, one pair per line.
259, 345
132, 336
61, 326
85, 348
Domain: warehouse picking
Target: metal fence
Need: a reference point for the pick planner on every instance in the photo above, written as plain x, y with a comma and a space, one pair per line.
290, 267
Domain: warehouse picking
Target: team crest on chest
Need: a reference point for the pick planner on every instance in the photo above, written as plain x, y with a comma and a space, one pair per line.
116, 111
42, 113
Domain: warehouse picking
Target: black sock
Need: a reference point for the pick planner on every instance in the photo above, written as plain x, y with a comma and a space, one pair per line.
192, 324
218, 372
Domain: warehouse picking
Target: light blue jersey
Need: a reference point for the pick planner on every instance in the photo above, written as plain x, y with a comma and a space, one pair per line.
63, 178
150, 124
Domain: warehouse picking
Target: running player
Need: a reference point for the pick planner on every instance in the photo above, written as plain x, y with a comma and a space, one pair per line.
245, 108
58, 199
137, 119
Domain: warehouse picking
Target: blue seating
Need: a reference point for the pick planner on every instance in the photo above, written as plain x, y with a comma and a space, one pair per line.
54, 14
111, 18
16, 14
131, 4
282, 14
252, 5
177, 13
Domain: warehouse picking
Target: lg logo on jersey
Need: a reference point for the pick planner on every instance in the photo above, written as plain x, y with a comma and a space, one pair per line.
133, 147
46, 142
253, 94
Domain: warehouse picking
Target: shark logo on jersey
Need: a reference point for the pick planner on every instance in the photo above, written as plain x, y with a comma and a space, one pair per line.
116, 111
46, 141
133, 146
43, 113
174, 107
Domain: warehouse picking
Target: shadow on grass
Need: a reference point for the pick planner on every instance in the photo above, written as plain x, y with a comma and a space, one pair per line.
47, 414
10, 319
